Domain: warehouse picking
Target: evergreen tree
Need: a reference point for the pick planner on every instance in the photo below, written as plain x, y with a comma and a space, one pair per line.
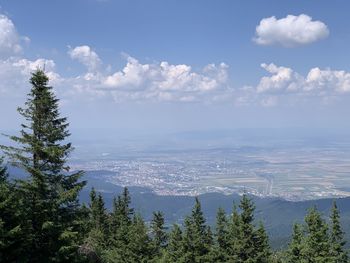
262, 247
317, 245
246, 242
158, 232
221, 229
295, 247
234, 234
51, 192
3, 171
12, 222
121, 221
98, 212
219, 251
139, 245
197, 242
122, 213
174, 249
338, 252
136, 247
96, 239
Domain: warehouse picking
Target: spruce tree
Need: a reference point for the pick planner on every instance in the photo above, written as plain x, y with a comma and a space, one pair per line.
338, 252
174, 249
121, 220
317, 245
12, 221
262, 246
234, 234
122, 213
96, 239
246, 230
51, 191
3, 171
197, 240
139, 245
296, 246
219, 251
158, 232
221, 229
98, 212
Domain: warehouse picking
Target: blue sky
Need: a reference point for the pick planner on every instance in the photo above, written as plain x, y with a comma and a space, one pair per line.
166, 65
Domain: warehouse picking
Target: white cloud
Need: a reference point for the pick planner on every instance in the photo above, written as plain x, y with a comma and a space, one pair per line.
133, 75
318, 79
86, 56
163, 81
166, 82
9, 38
27, 67
317, 82
290, 31
282, 78
14, 69
15, 74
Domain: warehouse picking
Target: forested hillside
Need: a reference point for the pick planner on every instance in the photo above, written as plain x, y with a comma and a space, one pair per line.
41, 219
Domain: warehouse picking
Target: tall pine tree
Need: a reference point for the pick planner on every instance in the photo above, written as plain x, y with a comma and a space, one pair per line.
158, 232
220, 249
296, 246
246, 230
51, 191
317, 245
197, 239
234, 234
338, 252
262, 246
174, 249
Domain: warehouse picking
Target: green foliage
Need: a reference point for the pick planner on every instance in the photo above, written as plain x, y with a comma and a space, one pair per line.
3, 171
262, 247
295, 248
219, 252
233, 239
196, 240
246, 230
315, 242
49, 197
98, 217
174, 249
12, 223
337, 242
158, 233
317, 245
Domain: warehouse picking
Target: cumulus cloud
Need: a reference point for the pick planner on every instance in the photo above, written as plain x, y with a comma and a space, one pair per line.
290, 31
166, 82
10, 40
14, 69
163, 81
27, 67
318, 79
86, 56
15, 73
133, 75
282, 78
319, 82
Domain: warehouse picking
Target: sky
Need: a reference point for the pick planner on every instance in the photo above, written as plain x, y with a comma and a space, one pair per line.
157, 66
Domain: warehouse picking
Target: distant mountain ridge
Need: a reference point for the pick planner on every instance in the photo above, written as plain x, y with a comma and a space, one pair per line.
278, 215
